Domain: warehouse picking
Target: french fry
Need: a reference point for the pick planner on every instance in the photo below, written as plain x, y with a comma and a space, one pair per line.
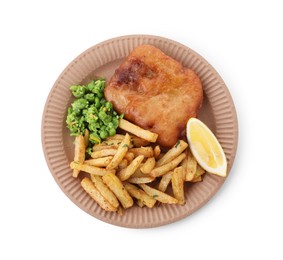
101, 146
79, 153
104, 190
145, 151
148, 165
197, 179
191, 167
184, 167
103, 153
156, 151
136, 130
130, 169
109, 144
158, 195
129, 156
164, 182
139, 180
115, 137
178, 185
90, 188
120, 211
175, 151
198, 175
139, 142
199, 172
138, 173
86, 137
89, 169
121, 152
99, 162
140, 195
114, 184
110, 152
159, 171
123, 164
140, 203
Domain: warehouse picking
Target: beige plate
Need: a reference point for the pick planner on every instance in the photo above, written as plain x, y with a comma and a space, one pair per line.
218, 112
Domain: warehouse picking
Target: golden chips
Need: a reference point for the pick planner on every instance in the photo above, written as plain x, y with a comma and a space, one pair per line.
125, 169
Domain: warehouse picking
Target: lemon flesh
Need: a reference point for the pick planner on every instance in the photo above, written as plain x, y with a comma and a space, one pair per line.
206, 148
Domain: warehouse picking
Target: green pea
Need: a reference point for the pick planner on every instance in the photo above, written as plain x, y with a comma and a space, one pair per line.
108, 106
90, 85
112, 131
102, 101
103, 134
89, 97
95, 86
99, 94
107, 119
93, 126
78, 91
102, 115
103, 127
110, 125
115, 122
97, 102
80, 104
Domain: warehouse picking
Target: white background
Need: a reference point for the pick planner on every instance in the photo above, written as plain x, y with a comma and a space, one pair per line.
241, 39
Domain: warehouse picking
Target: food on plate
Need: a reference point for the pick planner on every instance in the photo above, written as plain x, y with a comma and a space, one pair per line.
121, 152
114, 184
103, 153
99, 162
190, 167
164, 182
155, 92
129, 156
104, 190
145, 151
127, 172
205, 148
175, 151
139, 180
160, 170
79, 152
145, 159
140, 195
90, 188
89, 168
158, 195
198, 174
178, 185
134, 176
148, 165
90, 114
139, 142
156, 151
138, 131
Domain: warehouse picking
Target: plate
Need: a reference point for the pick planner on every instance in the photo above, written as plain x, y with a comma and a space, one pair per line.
217, 111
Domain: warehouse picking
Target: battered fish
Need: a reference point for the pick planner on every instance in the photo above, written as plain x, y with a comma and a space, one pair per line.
155, 92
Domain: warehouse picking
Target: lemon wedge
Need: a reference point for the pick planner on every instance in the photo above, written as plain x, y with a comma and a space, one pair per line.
206, 148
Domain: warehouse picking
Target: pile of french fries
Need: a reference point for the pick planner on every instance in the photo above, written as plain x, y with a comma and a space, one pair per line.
130, 168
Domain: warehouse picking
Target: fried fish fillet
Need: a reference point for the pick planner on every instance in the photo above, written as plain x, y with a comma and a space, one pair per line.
155, 92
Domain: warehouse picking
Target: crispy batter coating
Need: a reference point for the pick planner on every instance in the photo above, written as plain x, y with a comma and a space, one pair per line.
155, 92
